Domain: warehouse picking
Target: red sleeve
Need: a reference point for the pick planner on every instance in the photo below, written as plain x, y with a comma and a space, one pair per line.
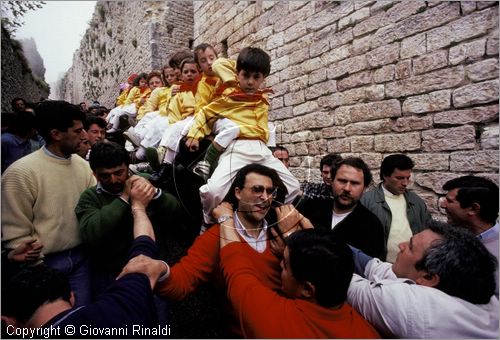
196, 267
261, 311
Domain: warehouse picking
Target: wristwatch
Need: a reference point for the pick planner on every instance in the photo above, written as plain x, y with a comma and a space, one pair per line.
223, 218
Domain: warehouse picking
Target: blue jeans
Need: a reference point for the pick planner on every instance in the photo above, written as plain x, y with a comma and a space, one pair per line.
73, 263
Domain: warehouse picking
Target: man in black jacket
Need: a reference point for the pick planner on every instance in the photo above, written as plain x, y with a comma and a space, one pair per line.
348, 219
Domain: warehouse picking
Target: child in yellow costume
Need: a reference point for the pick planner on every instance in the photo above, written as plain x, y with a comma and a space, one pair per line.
239, 117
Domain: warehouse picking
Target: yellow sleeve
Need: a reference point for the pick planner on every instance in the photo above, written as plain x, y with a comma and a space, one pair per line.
132, 96
205, 91
122, 97
151, 104
165, 97
225, 69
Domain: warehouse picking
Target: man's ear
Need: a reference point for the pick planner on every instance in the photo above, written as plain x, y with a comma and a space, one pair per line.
55, 134
475, 208
237, 193
308, 291
428, 280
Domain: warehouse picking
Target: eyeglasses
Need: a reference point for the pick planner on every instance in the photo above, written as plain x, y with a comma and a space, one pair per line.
259, 190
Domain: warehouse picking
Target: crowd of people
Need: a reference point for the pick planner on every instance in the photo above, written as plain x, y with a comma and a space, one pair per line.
92, 200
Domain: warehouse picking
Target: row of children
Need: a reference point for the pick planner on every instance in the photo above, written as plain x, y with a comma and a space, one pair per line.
215, 98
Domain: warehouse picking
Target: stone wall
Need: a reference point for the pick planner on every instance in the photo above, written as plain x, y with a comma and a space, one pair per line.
17, 78
371, 78
125, 37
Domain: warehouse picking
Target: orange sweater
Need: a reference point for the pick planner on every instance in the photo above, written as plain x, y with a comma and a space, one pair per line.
265, 314
202, 264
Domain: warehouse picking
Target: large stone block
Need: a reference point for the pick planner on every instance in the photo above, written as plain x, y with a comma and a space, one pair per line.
347, 66
317, 76
281, 113
375, 110
294, 98
457, 138
276, 40
431, 161
483, 114
320, 89
333, 132
293, 124
354, 18
296, 31
434, 180
360, 45
477, 93
492, 44
397, 142
302, 136
383, 55
384, 74
301, 149
339, 145
432, 81
279, 64
276, 103
370, 24
489, 137
317, 120
412, 123
434, 101
369, 128
413, 46
482, 70
340, 38
402, 69
467, 51
362, 94
371, 159
318, 47
431, 61
335, 54
298, 84
331, 101
405, 9
468, 6
361, 143
486, 160
308, 106
470, 26
355, 80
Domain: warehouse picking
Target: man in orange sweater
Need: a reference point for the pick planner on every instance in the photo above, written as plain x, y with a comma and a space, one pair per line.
316, 272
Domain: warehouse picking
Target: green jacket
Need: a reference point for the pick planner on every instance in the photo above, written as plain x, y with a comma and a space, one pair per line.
416, 210
106, 225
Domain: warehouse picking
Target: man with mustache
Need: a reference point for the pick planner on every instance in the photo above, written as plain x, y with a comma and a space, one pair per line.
344, 215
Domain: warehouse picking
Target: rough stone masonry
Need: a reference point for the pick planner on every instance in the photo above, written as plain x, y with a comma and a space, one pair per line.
360, 78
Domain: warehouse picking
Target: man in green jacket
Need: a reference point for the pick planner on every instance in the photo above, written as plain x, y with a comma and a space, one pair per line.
105, 215
401, 212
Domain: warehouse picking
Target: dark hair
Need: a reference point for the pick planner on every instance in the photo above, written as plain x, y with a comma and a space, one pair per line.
56, 114
202, 47
188, 61
316, 256
357, 163
393, 162
330, 160
178, 57
93, 119
104, 154
138, 79
473, 189
22, 122
278, 148
466, 269
240, 178
153, 74
31, 288
13, 102
253, 59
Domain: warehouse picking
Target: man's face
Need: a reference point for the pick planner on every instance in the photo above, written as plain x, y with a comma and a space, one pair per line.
282, 155
20, 106
84, 148
189, 72
155, 82
411, 252
289, 285
255, 198
71, 140
397, 182
326, 175
96, 134
250, 82
454, 212
348, 186
112, 179
170, 75
206, 59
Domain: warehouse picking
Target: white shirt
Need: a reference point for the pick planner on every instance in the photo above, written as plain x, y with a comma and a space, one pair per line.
259, 243
401, 308
337, 218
